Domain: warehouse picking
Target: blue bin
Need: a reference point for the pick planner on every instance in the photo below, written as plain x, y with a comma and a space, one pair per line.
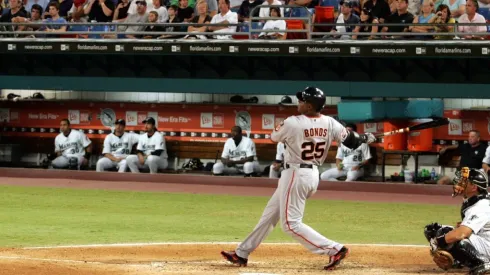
395, 109
424, 108
355, 111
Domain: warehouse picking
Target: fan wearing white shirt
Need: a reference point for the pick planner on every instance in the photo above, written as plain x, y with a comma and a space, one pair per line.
152, 152
349, 161
239, 155
279, 25
226, 16
72, 148
161, 10
133, 6
277, 166
117, 146
264, 9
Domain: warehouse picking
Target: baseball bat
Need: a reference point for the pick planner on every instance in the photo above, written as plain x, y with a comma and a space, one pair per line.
426, 125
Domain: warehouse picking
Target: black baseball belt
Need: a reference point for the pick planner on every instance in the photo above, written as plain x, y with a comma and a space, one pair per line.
309, 166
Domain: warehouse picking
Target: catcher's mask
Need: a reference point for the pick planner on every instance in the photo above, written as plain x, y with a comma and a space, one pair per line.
467, 175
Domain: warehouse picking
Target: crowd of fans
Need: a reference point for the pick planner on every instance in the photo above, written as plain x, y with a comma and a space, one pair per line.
351, 18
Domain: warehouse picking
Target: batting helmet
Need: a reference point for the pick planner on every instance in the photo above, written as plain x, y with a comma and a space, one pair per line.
314, 96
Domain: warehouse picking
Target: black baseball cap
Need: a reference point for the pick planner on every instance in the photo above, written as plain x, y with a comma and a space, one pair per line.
346, 3
141, 2
120, 121
149, 120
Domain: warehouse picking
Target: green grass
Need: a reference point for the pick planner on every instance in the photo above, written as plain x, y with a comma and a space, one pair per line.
52, 216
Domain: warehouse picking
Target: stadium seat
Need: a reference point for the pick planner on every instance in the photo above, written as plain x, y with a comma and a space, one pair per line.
295, 25
324, 15
329, 3
246, 28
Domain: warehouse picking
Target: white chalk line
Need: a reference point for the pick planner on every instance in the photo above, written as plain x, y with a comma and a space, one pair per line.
202, 243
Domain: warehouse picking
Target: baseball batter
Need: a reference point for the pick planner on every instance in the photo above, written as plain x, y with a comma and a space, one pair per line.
239, 155
152, 152
349, 162
276, 167
72, 148
117, 146
468, 244
307, 138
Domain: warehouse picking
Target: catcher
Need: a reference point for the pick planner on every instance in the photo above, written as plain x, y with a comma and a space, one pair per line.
468, 244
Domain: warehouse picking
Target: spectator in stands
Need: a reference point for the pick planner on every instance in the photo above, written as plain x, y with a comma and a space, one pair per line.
276, 167
346, 17
173, 18
16, 14
42, 3
349, 162
117, 147
278, 25
72, 148
36, 12
152, 18
152, 151
161, 10
423, 18
264, 9
77, 12
457, 7
239, 155
366, 18
379, 9
212, 7
414, 6
443, 17
139, 17
202, 17
99, 10
246, 7
402, 16
64, 8
472, 153
133, 6
53, 8
121, 12
471, 16
226, 16
185, 13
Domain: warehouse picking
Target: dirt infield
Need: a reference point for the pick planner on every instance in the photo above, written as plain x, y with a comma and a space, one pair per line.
204, 258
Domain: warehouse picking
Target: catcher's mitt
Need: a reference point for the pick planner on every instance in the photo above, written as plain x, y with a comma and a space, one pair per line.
443, 259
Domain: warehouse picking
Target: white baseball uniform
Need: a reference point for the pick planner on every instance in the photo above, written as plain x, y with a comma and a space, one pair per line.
273, 174
486, 159
477, 217
149, 145
71, 146
350, 158
119, 147
307, 142
245, 149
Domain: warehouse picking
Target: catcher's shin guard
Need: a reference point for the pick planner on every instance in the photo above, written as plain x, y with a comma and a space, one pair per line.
466, 253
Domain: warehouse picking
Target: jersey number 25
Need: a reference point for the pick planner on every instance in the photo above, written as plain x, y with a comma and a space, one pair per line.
312, 150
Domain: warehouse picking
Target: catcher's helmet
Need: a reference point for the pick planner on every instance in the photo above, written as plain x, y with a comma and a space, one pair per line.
314, 96
475, 176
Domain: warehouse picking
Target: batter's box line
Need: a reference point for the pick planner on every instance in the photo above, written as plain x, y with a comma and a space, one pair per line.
204, 243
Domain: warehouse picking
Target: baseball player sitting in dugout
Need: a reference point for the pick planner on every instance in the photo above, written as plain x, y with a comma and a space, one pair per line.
152, 151
238, 155
117, 146
72, 148
467, 245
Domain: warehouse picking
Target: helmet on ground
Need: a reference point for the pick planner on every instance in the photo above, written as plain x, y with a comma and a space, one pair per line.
314, 96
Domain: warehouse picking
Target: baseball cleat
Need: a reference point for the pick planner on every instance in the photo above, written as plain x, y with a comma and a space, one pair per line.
233, 258
337, 258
